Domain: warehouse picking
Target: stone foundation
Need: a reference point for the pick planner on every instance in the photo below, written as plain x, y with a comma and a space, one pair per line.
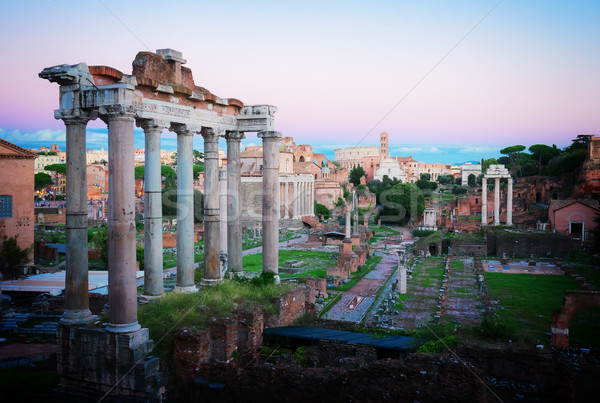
93, 362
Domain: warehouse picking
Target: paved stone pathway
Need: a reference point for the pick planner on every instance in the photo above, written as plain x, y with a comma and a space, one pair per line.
463, 303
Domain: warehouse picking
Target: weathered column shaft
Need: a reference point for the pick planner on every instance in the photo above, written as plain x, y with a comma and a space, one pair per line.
223, 213
185, 210
122, 283
234, 224
347, 225
355, 207
287, 200
76, 284
509, 202
295, 199
497, 201
270, 207
153, 242
484, 201
212, 271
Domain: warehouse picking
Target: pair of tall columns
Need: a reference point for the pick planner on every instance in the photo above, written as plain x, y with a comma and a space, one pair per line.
509, 201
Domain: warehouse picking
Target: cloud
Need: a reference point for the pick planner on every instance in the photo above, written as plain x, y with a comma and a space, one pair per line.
416, 149
480, 150
48, 135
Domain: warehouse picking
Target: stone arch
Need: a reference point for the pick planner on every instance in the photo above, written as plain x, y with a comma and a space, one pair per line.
301, 158
573, 302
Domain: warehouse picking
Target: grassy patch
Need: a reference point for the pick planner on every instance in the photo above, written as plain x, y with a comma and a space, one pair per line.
529, 299
177, 310
315, 263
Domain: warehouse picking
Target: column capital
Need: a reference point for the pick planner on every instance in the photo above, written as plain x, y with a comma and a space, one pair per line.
209, 133
151, 124
233, 135
76, 116
183, 129
118, 111
269, 135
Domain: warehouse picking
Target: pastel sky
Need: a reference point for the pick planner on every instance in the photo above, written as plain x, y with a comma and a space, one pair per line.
451, 81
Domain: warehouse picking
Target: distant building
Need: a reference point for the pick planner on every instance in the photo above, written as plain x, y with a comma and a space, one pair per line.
391, 168
469, 169
16, 193
97, 181
96, 156
43, 160
384, 144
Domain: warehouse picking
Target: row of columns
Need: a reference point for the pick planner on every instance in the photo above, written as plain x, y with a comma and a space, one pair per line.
509, 201
122, 285
304, 199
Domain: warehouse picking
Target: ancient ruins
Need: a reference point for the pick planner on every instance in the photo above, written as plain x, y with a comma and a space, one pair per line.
160, 93
496, 172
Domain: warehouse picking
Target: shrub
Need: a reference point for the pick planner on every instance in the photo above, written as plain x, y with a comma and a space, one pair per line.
498, 327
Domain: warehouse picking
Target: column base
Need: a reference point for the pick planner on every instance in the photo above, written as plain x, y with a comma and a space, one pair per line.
79, 317
145, 297
208, 282
185, 289
123, 327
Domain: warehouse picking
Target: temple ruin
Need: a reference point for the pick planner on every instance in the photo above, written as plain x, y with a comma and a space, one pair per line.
159, 94
496, 172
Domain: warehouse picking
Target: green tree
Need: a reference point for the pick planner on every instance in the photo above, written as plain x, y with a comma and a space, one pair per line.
337, 164
426, 185
169, 204
198, 157
458, 190
355, 174
139, 172
100, 242
446, 179
321, 210
197, 170
170, 176
13, 257
139, 255
402, 203
512, 153
42, 180
543, 154
58, 168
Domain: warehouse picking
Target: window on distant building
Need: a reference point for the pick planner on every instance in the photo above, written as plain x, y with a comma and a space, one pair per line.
5, 206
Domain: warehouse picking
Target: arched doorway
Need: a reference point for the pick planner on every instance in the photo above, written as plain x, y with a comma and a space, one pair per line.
574, 301
301, 158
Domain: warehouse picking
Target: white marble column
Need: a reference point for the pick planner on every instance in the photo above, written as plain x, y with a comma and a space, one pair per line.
271, 199
484, 201
76, 277
153, 242
287, 199
509, 202
212, 271
185, 210
295, 199
497, 201
122, 282
234, 224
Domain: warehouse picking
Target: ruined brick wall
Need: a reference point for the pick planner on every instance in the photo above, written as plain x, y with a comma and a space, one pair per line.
525, 244
17, 180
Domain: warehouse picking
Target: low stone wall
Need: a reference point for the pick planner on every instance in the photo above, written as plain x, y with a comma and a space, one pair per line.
524, 244
241, 333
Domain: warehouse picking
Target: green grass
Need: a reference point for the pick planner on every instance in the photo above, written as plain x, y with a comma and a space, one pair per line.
457, 264
366, 268
315, 263
527, 296
178, 310
584, 328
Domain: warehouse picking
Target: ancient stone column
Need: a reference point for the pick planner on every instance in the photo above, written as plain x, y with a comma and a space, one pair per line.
312, 198
223, 219
234, 224
122, 282
295, 199
497, 201
402, 278
484, 201
355, 207
347, 225
153, 242
211, 206
286, 213
270, 208
185, 209
509, 202
76, 284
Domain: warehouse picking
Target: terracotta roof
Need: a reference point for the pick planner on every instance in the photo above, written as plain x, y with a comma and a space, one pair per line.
251, 154
559, 204
10, 150
302, 167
